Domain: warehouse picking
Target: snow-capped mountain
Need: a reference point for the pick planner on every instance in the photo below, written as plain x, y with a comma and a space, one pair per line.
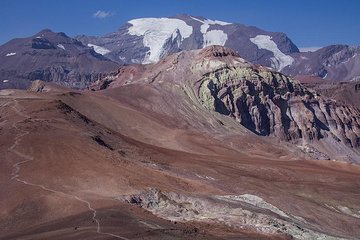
147, 40
79, 61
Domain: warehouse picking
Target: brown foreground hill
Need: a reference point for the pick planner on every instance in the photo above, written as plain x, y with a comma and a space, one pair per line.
155, 157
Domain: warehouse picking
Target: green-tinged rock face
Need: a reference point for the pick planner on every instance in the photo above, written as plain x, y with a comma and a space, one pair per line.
205, 94
270, 103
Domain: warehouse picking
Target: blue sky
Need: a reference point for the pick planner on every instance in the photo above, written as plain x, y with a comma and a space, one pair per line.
307, 22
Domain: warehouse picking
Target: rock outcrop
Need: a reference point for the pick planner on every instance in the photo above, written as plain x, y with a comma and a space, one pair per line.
270, 103
264, 101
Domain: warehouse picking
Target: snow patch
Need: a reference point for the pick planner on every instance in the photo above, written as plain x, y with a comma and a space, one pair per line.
5, 81
309, 49
280, 60
136, 61
10, 54
347, 211
98, 49
213, 37
61, 46
156, 31
348, 59
207, 22
355, 79
204, 177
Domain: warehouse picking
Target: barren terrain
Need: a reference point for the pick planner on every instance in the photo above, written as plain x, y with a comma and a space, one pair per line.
136, 161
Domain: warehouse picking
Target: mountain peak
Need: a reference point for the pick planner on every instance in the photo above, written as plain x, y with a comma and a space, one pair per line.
49, 33
45, 31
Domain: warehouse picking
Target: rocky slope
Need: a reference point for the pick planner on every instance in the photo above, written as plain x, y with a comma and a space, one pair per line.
347, 93
266, 102
336, 62
52, 57
149, 157
147, 160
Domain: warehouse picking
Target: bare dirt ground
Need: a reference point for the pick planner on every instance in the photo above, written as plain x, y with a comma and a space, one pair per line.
75, 164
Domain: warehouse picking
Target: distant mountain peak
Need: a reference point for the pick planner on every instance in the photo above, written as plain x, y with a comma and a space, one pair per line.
147, 40
48, 33
51, 57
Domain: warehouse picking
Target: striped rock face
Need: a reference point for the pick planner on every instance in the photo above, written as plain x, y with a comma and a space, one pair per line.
264, 101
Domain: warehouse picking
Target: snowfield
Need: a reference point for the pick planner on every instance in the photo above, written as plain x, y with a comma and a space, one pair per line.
213, 37
156, 32
309, 49
280, 60
207, 22
11, 54
98, 49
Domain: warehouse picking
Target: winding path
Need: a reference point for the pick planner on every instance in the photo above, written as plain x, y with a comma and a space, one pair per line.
16, 169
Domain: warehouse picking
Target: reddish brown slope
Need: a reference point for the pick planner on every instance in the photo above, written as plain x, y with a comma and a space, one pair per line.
93, 150
146, 159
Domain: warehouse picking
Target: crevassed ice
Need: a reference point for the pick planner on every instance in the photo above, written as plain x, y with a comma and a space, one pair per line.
98, 49
280, 60
156, 31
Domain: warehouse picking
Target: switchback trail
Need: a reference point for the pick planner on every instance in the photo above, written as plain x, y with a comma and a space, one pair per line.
15, 175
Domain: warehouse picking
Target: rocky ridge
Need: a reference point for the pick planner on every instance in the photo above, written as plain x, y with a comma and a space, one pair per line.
336, 62
264, 101
80, 61
51, 57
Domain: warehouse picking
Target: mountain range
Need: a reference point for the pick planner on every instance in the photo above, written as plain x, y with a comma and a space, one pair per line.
201, 145
178, 128
51, 57
147, 40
